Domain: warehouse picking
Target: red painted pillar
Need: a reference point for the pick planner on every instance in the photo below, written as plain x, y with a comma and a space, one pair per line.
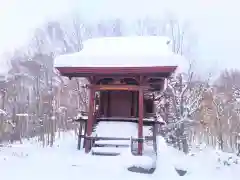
90, 119
140, 121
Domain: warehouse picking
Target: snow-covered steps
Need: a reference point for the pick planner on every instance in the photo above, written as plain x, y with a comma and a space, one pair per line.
113, 138
111, 147
105, 148
116, 129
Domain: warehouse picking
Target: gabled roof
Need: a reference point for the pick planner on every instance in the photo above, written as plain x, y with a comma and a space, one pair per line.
134, 54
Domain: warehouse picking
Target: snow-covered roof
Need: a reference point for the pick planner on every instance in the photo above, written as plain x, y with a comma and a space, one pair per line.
130, 51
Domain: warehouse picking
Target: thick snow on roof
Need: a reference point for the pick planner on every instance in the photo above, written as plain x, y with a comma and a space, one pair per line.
131, 51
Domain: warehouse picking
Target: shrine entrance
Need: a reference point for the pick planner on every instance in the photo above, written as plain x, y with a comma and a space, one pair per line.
123, 75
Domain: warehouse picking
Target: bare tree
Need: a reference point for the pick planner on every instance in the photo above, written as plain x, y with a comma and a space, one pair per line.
219, 113
229, 87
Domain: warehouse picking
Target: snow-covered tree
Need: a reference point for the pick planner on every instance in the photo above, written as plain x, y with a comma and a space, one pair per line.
183, 95
183, 98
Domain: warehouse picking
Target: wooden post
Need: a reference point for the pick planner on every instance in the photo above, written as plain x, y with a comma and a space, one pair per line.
79, 135
140, 122
90, 120
155, 136
85, 132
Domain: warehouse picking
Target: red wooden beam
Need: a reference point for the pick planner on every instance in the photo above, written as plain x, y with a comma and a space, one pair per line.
90, 120
118, 87
116, 70
117, 77
140, 121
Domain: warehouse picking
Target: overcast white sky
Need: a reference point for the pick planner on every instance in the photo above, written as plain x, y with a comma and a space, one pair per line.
216, 22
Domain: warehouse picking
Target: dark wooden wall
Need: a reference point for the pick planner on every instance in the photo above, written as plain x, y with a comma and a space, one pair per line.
121, 104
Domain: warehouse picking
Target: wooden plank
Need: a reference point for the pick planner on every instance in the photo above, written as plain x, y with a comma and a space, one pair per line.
112, 138
80, 120
149, 138
111, 145
96, 138
146, 121
105, 153
157, 71
116, 87
125, 119
104, 138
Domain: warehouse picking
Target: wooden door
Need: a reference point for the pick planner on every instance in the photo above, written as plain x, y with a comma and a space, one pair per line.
120, 103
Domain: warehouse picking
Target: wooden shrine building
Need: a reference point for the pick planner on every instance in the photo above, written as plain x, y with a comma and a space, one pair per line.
122, 73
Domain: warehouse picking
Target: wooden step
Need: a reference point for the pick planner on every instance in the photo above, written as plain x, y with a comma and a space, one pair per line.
105, 153
98, 138
111, 145
112, 138
141, 170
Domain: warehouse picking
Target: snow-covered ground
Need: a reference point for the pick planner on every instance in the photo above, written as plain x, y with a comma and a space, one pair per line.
29, 161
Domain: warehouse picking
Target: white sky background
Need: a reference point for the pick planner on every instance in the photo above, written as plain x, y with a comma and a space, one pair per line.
215, 22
